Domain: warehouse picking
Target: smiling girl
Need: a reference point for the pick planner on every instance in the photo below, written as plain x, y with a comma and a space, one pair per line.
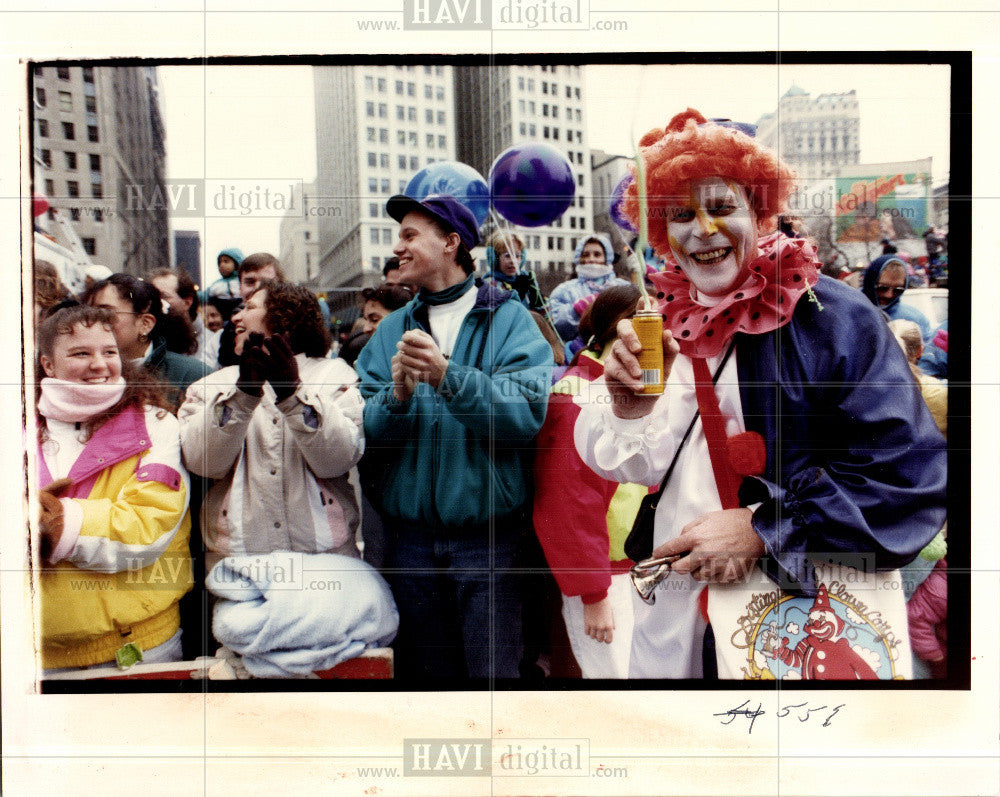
114, 522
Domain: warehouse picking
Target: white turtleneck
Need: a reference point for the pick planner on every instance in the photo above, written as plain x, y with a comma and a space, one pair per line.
446, 319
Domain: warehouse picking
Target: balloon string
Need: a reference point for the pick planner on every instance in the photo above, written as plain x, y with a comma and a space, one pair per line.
640, 184
508, 241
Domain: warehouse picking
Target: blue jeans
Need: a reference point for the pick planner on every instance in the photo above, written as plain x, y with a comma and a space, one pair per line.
458, 599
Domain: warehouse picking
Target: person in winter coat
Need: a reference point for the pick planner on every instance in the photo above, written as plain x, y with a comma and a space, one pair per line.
593, 258
456, 384
581, 519
934, 391
142, 324
884, 284
279, 432
505, 257
114, 502
227, 287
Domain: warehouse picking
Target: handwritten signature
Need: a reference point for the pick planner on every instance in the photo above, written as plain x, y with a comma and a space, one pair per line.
802, 712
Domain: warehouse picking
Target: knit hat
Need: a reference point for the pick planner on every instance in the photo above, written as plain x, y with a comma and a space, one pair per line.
234, 253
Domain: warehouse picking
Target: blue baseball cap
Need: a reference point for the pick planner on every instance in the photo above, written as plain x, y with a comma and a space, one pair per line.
452, 214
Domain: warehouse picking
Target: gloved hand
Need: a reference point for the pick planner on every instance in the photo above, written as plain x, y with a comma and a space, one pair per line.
51, 516
522, 283
580, 305
253, 364
281, 368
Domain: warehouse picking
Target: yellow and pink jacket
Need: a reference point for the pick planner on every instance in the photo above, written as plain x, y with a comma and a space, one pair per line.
122, 563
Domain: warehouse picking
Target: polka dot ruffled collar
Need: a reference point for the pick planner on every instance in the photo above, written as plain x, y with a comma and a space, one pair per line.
785, 269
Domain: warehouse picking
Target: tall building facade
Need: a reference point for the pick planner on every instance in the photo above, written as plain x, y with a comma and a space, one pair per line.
814, 135
499, 106
376, 126
298, 237
99, 151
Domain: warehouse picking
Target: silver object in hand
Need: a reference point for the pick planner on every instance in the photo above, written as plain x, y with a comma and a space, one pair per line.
647, 575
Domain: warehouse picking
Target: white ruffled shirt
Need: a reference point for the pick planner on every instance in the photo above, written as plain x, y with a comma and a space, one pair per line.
666, 640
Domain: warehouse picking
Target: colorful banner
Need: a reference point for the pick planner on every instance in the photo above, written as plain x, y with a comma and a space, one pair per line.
891, 205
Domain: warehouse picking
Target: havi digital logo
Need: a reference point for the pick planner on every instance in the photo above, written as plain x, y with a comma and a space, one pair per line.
438, 757
447, 14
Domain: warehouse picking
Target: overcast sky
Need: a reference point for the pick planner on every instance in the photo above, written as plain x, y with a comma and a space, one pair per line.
256, 122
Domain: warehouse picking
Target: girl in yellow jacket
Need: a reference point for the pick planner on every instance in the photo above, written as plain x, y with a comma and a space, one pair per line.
114, 517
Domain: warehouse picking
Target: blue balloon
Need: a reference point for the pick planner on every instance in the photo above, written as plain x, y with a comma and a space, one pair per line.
451, 177
532, 184
616, 206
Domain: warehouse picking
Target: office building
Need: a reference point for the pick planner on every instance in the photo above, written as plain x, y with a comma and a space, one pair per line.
298, 237
814, 135
187, 253
606, 172
99, 158
376, 126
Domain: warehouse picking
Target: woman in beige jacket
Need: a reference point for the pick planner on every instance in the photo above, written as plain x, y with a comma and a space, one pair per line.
279, 432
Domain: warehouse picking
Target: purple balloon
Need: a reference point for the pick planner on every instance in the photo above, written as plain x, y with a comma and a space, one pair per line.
532, 184
617, 205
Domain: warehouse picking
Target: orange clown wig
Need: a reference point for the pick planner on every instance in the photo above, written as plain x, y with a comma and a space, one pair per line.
688, 150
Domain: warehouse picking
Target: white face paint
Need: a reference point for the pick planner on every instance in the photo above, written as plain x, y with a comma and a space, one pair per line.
713, 235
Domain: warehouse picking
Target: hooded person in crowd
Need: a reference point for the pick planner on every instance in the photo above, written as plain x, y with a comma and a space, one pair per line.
884, 284
506, 258
227, 287
593, 258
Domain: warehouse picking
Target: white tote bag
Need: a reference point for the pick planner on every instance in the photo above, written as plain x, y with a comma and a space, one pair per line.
855, 628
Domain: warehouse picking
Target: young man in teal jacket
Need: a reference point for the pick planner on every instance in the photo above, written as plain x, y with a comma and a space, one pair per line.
456, 385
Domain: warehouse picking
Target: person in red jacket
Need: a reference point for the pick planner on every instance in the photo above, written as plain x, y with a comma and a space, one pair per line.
581, 519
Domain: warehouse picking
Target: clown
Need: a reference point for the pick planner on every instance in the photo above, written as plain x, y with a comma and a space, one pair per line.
849, 461
823, 654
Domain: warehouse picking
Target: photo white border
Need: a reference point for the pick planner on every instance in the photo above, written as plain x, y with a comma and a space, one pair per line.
918, 742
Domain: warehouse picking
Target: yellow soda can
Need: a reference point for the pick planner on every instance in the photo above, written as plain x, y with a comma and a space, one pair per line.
648, 325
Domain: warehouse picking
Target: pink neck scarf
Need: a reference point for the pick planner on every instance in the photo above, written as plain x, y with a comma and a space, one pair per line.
76, 402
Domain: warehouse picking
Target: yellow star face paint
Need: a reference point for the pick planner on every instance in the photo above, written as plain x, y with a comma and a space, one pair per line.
713, 235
